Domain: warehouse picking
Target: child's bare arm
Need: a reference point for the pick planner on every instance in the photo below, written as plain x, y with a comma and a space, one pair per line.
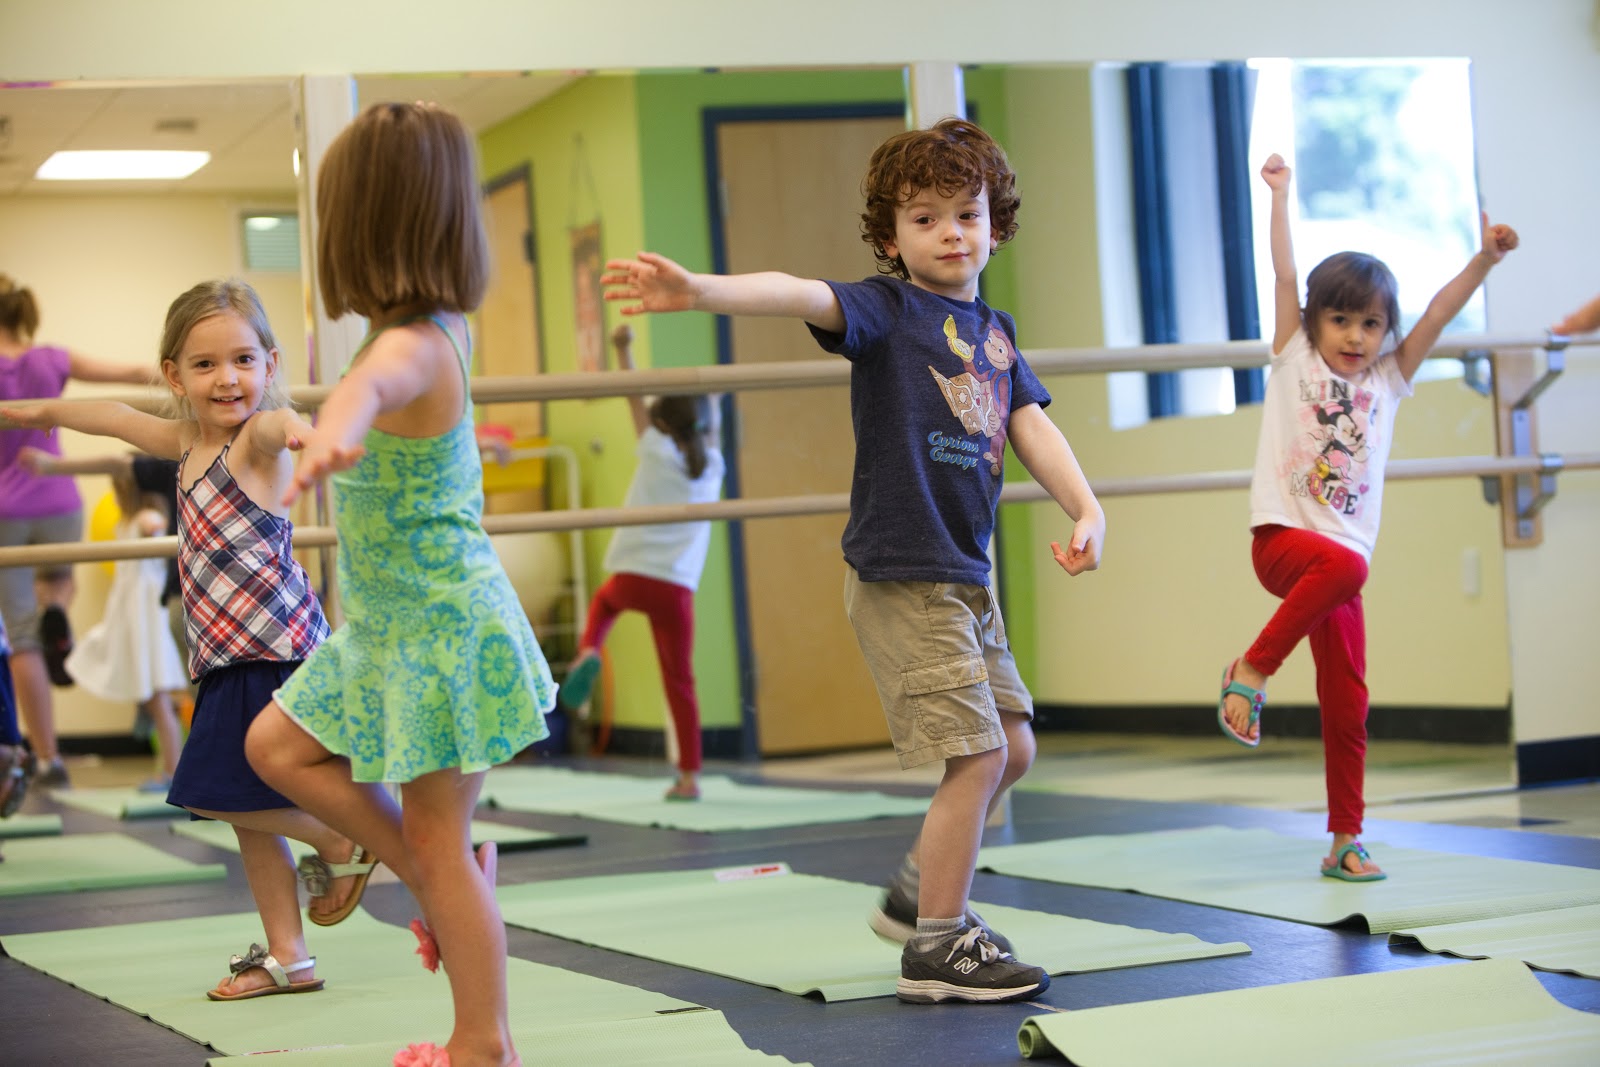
1583, 320
90, 369
272, 432
102, 418
659, 284
391, 374
1448, 302
622, 341
1043, 449
38, 461
1286, 282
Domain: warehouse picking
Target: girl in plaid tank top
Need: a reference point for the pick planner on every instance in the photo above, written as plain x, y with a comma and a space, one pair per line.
250, 614
435, 676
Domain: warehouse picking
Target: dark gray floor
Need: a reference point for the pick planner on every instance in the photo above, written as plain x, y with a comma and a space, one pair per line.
47, 1022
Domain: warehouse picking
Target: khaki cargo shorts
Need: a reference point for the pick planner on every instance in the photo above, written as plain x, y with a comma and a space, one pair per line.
938, 655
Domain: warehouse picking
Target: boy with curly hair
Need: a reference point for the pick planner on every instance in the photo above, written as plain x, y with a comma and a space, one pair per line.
937, 389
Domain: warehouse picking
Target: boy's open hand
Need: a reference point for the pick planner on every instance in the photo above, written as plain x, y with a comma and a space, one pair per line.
1083, 550
656, 282
1497, 239
1275, 172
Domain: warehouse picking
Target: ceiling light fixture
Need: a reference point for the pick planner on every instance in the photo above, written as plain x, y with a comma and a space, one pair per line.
120, 166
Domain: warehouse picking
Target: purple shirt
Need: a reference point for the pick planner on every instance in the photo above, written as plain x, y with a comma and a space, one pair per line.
38, 374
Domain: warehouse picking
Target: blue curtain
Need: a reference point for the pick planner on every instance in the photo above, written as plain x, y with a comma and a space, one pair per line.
1158, 305
1232, 92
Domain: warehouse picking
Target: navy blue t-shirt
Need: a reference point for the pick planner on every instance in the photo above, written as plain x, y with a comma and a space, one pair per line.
933, 383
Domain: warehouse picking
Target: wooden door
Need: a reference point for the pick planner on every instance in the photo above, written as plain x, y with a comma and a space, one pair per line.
792, 202
508, 321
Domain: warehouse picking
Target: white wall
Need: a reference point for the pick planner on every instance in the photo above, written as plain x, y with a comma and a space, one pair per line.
104, 270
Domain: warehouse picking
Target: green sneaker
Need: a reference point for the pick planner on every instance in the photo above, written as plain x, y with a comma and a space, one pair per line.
579, 682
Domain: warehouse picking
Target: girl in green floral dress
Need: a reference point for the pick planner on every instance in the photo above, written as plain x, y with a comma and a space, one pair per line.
435, 675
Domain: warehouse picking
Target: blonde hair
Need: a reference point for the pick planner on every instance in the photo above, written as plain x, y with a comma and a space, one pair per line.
399, 216
201, 302
19, 311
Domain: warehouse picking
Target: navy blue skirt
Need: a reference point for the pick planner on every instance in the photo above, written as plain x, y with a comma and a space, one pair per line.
9, 734
212, 771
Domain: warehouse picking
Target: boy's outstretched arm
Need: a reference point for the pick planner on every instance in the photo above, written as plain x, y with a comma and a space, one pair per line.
1448, 302
101, 418
1285, 281
1043, 449
659, 284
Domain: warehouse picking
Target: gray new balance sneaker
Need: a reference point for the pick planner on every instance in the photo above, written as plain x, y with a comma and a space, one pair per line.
967, 966
895, 918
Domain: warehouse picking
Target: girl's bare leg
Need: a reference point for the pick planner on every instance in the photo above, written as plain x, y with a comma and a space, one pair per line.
292, 762
165, 720
306, 828
457, 897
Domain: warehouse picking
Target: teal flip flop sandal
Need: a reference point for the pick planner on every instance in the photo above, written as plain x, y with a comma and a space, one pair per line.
1256, 697
1337, 869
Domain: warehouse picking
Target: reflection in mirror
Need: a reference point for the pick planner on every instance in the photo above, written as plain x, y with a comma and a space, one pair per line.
1383, 163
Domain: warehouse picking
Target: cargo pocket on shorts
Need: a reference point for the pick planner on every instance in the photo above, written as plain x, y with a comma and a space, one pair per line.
943, 700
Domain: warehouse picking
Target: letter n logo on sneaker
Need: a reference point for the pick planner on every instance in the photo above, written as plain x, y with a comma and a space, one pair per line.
966, 965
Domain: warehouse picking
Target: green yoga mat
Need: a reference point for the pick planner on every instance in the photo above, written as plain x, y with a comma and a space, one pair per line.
723, 805
30, 826
800, 933
94, 861
698, 1038
122, 803
1273, 874
376, 989
1565, 939
508, 838
1493, 1013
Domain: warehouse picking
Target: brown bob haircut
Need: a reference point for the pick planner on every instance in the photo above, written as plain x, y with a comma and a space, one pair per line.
1351, 282
952, 157
19, 311
400, 223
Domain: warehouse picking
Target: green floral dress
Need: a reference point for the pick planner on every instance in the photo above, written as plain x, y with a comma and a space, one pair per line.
435, 665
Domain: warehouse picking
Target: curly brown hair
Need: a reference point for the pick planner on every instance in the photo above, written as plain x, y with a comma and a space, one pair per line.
953, 156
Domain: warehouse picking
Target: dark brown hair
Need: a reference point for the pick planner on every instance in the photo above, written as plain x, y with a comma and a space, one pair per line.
954, 156
686, 419
400, 223
19, 311
1351, 282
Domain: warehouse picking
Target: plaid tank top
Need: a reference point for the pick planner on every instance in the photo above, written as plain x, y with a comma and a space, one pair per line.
245, 598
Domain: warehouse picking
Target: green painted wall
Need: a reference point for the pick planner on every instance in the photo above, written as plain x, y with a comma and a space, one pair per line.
583, 149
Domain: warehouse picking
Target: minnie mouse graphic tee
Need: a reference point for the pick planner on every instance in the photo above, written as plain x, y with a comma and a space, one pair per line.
1324, 444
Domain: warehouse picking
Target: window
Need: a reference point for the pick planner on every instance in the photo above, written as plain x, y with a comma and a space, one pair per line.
271, 241
1384, 162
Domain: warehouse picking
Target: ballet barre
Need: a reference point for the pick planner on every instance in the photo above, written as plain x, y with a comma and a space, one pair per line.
813, 373
1489, 468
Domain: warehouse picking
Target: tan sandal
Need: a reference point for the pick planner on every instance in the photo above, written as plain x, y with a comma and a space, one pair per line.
259, 958
318, 875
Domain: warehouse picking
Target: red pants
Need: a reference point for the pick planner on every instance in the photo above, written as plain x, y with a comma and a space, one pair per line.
1320, 582
670, 609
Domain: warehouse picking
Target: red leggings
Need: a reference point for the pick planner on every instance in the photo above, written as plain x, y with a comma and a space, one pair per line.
1320, 582
670, 609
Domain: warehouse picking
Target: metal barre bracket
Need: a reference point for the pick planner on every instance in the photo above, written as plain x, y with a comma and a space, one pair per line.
1554, 363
